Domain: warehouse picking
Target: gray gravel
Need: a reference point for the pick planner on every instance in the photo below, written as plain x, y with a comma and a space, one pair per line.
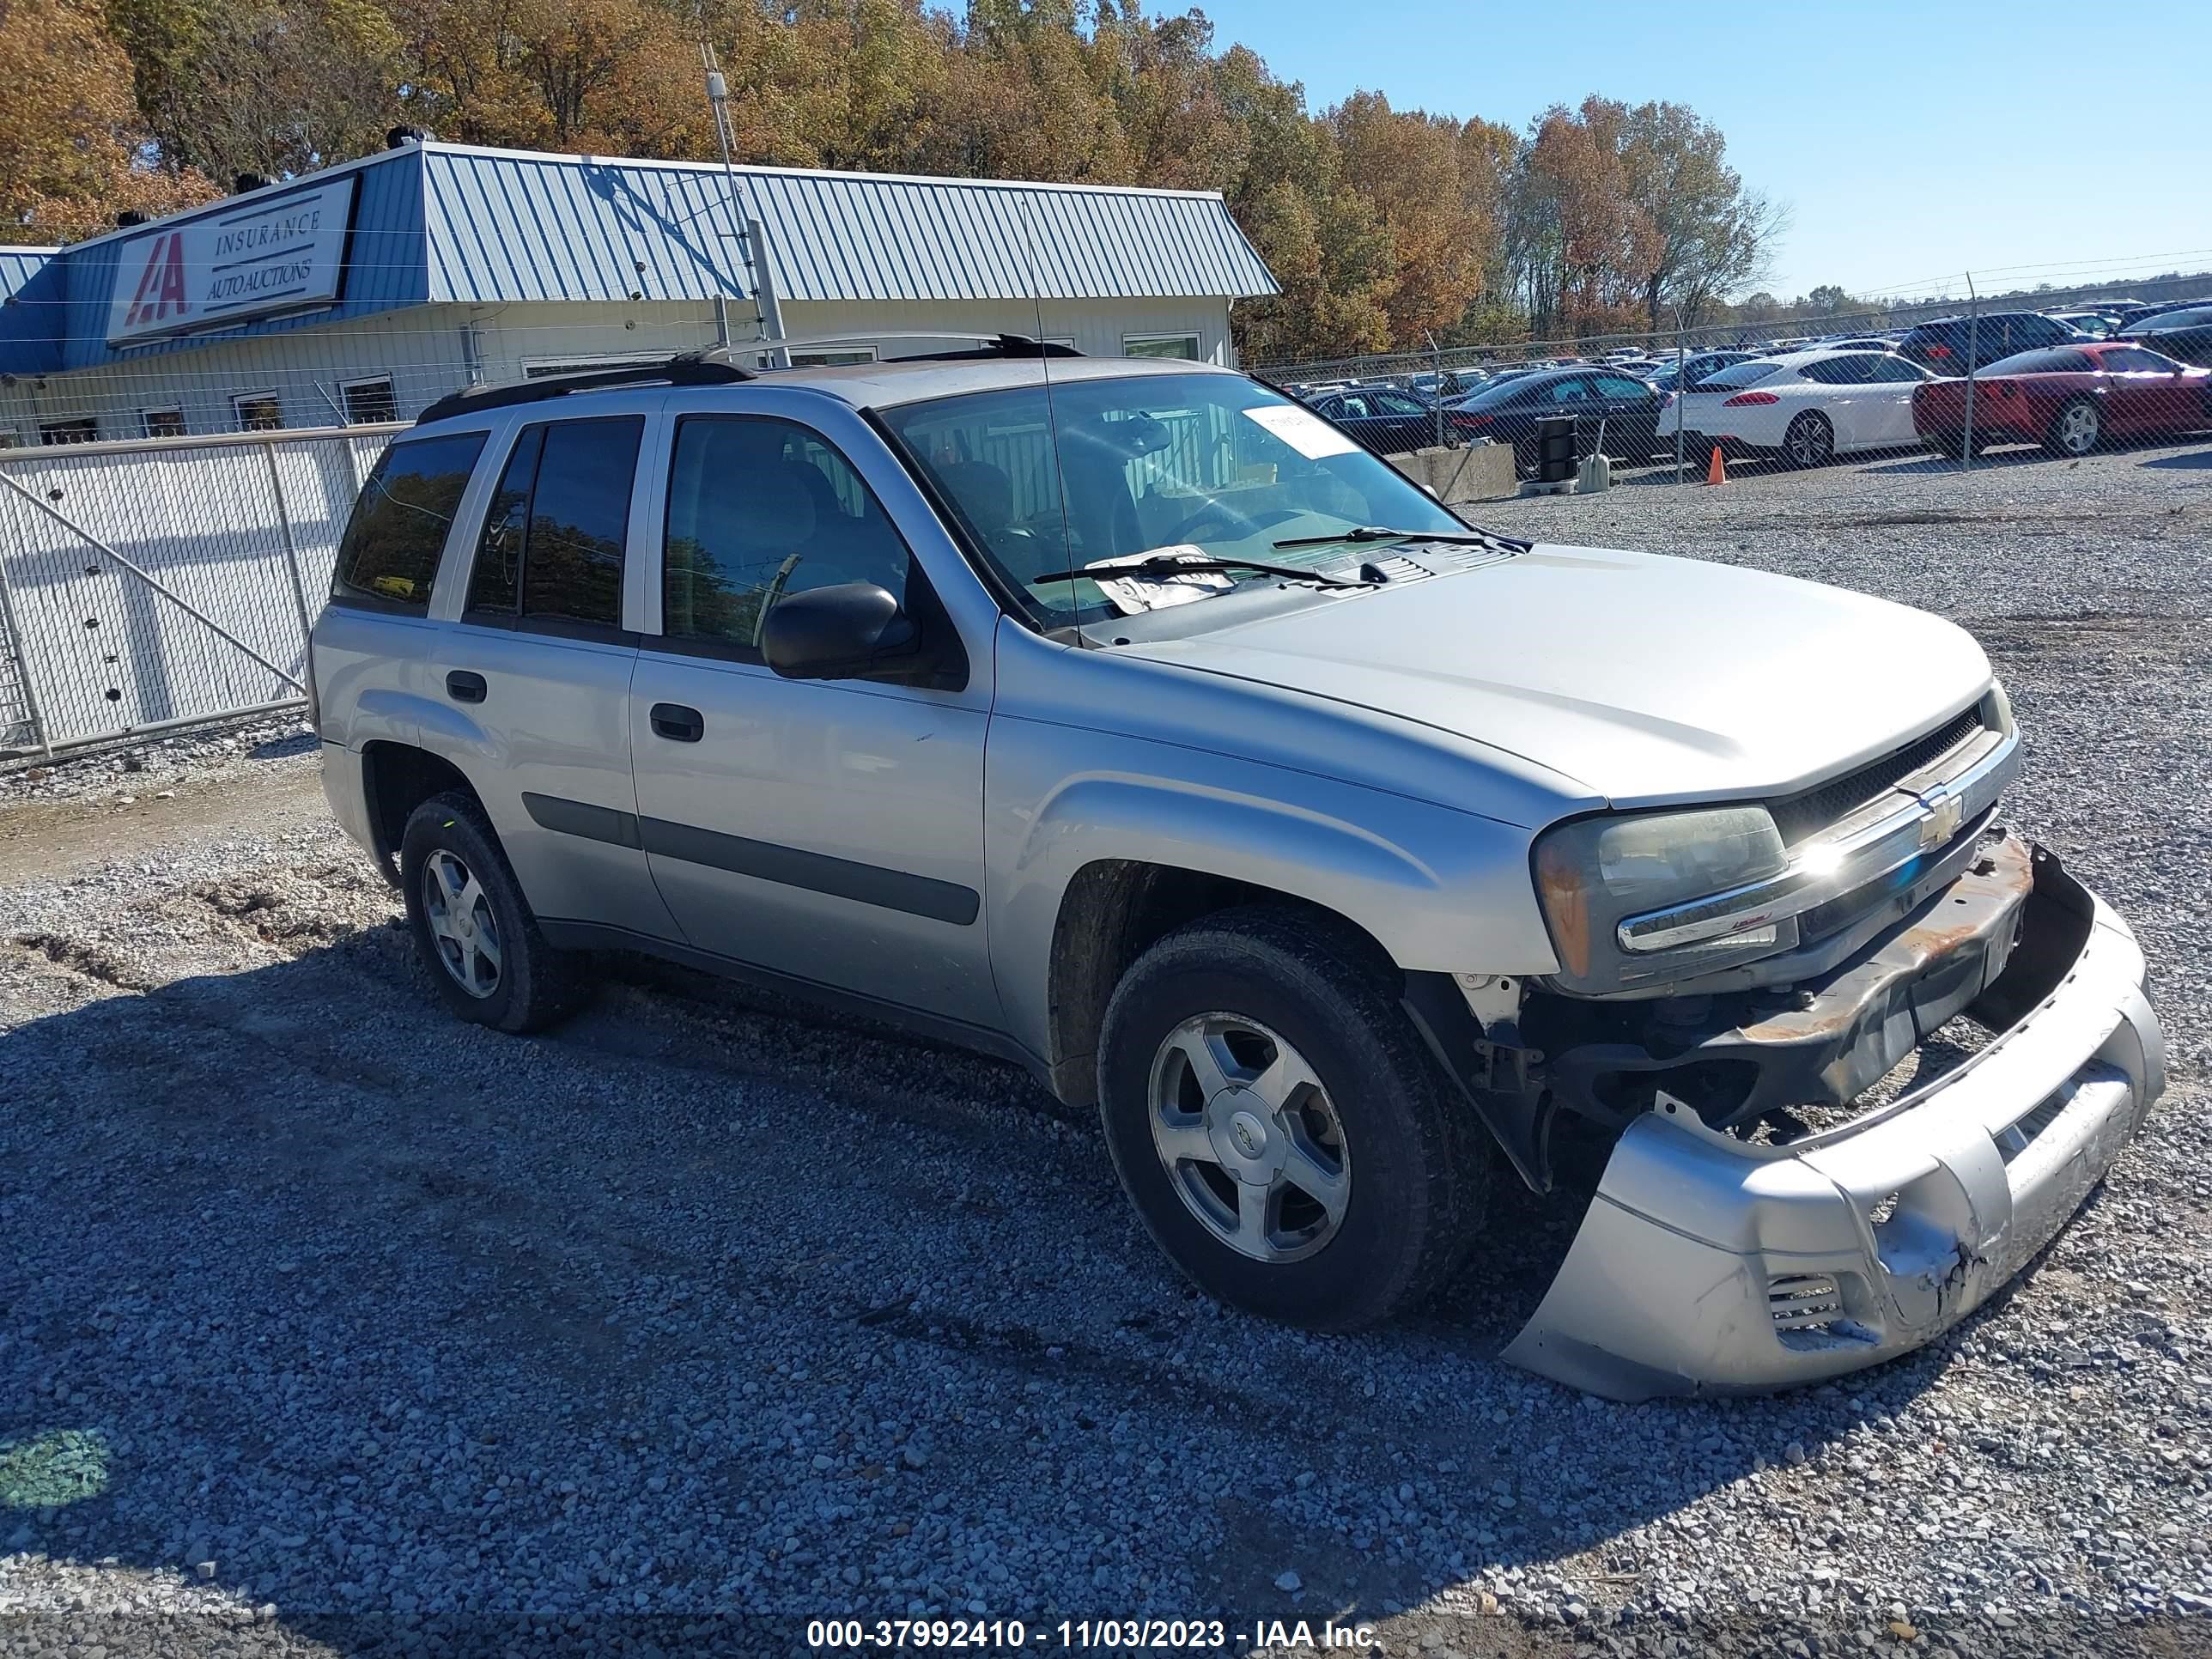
331, 1322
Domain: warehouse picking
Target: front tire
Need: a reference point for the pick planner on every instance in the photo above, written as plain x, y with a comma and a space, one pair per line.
474, 929
1810, 441
1283, 1135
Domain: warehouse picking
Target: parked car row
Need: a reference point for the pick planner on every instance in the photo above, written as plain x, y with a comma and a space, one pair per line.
2069, 380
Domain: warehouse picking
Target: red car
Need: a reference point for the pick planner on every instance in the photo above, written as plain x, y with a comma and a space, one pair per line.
2070, 399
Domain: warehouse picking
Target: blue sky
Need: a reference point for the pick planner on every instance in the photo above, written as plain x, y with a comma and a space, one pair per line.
1908, 141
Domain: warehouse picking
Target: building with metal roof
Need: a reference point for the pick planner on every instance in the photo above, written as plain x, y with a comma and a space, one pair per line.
366, 290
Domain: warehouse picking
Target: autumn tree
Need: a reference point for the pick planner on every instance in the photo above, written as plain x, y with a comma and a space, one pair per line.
1385, 227
72, 149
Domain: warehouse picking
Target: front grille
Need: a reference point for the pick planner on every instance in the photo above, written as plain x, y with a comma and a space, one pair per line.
1807, 814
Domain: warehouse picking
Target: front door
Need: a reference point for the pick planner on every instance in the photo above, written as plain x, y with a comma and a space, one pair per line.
830, 830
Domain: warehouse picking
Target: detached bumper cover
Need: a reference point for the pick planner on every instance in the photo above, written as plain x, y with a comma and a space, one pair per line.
1707, 1263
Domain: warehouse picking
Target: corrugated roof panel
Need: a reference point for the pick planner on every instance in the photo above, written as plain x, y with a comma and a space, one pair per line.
505, 225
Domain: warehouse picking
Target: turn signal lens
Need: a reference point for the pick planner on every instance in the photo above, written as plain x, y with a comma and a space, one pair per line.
1561, 882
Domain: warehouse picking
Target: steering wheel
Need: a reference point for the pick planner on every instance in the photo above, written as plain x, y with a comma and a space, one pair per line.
1230, 518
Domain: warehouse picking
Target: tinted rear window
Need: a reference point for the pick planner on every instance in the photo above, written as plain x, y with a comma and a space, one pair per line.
2194, 319
2042, 363
1735, 374
390, 553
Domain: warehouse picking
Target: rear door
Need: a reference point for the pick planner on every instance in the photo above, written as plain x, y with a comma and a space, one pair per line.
538, 664
828, 830
1886, 402
1631, 412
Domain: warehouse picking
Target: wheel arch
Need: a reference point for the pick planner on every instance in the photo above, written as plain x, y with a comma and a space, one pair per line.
397, 777
1111, 912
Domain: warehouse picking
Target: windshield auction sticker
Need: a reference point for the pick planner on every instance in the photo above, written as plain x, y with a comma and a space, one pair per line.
1302, 430
1152, 591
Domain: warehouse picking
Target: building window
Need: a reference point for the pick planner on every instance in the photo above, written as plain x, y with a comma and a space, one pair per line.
69, 432
258, 411
367, 403
832, 357
1183, 346
543, 367
163, 422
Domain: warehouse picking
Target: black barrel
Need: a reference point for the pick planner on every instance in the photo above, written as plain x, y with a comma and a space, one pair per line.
1555, 448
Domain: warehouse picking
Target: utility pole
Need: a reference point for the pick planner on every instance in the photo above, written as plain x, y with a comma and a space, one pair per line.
1974, 359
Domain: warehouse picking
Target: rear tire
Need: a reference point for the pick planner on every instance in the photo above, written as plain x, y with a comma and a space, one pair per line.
2076, 429
1283, 1133
474, 929
1810, 441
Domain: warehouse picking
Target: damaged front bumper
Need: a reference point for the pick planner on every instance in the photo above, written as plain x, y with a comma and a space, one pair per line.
1707, 1262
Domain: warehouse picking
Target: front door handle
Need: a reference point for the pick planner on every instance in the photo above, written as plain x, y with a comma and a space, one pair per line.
463, 686
677, 723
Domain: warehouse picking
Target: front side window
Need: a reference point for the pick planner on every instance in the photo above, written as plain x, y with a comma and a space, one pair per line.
2133, 360
390, 553
1885, 369
1614, 385
551, 550
1573, 389
759, 508
1211, 464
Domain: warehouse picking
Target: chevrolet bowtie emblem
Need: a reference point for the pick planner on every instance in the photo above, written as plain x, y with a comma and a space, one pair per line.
1946, 812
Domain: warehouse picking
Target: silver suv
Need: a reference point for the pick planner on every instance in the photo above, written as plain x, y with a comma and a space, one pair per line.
1129, 721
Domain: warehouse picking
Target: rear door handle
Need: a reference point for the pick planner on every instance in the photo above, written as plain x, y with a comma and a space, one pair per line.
463, 686
677, 723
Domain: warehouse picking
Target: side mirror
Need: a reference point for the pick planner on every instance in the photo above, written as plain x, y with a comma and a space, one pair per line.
855, 630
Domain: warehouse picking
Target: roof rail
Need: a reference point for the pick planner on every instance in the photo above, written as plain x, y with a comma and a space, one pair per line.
991, 344
711, 366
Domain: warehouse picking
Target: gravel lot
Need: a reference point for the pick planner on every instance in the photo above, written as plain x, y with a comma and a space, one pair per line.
334, 1324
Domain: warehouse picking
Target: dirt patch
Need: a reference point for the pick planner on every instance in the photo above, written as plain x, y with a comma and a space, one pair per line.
41, 839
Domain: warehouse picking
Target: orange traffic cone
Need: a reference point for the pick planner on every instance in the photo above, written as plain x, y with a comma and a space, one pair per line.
1717, 472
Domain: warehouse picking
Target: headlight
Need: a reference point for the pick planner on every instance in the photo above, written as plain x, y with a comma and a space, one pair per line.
1594, 873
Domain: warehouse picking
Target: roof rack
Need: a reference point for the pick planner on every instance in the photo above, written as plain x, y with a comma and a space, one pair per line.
991, 344
714, 366
711, 366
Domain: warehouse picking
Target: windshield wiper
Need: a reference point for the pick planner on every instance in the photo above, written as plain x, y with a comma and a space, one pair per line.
1375, 532
1167, 566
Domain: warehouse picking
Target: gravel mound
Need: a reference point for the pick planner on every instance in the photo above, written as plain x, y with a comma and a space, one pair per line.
333, 1325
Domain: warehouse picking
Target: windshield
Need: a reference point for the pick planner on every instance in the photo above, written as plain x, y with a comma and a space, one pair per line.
1210, 466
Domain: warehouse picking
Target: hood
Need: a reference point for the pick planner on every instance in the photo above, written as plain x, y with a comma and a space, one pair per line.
1648, 679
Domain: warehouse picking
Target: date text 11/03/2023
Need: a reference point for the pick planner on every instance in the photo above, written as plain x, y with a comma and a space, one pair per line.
1111, 1635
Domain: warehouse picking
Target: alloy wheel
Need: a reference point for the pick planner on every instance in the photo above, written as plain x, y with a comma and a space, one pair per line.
1810, 442
1249, 1139
2078, 428
462, 924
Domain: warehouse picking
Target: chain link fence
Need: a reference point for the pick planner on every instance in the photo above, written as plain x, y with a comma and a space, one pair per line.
151, 585
2069, 373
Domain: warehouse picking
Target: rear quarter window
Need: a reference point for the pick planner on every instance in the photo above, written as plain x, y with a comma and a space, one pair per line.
389, 556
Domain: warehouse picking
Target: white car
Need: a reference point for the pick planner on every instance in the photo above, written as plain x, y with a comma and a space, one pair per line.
1806, 407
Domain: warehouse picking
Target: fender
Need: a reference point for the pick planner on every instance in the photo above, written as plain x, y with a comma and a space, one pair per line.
1438, 888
